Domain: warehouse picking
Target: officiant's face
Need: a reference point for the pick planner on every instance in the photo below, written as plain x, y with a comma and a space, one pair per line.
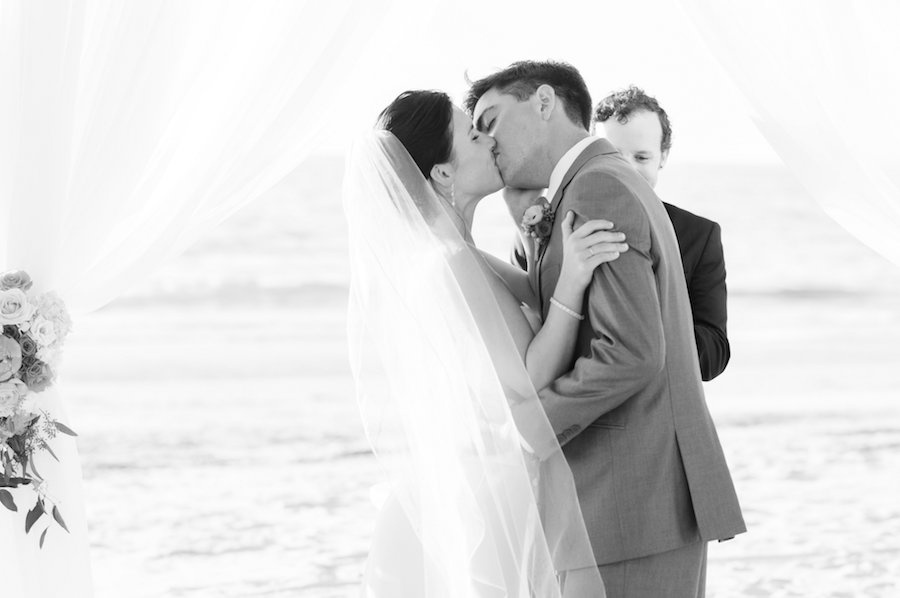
516, 125
639, 140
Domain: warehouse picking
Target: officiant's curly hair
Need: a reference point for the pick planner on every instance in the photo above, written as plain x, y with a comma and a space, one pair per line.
622, 104
421, 120
521, 80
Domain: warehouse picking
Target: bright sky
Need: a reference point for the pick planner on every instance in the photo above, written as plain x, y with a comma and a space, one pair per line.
652, 44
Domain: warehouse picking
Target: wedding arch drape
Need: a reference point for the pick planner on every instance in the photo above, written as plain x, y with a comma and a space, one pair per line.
821, 79
127, 129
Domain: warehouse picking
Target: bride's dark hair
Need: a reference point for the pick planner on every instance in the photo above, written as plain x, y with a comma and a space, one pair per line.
421, 120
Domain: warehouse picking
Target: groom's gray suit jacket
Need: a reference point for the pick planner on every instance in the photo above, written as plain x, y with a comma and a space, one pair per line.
631, 414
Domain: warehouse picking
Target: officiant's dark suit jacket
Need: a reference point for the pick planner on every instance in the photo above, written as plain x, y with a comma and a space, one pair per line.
700, 243
631, 415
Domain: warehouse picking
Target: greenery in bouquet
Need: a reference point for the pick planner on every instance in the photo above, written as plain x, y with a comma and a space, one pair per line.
34, 327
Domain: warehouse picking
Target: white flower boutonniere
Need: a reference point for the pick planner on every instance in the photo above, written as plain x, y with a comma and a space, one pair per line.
537, 221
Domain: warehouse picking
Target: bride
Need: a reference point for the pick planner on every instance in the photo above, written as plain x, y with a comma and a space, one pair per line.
447, 355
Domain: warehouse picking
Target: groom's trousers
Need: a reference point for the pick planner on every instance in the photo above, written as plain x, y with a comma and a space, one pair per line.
679, 573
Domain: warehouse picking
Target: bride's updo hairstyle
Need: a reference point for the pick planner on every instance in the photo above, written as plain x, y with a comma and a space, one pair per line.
422, 121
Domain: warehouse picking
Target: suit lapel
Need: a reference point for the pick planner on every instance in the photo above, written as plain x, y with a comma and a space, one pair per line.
598, 148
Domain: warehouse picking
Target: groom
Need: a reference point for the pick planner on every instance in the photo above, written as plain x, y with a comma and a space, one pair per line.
631, 416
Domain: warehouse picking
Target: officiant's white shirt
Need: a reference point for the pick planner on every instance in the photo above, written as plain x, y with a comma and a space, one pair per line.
559, 171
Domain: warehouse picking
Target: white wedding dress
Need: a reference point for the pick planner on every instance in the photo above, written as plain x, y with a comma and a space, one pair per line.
483, 501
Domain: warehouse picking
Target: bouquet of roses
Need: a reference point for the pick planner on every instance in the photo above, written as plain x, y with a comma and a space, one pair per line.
33, 330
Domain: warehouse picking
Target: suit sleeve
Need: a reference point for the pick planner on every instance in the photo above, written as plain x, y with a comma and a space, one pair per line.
622, 314
709, 295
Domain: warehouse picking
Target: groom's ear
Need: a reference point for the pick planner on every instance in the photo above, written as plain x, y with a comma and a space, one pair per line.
546, 99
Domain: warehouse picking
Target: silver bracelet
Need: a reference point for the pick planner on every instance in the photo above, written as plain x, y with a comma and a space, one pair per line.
571, 312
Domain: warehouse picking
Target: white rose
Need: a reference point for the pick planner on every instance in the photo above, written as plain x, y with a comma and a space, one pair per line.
49, 355
10, 357
7, 408
51, 307
29, 404
17, 279
11, 394
42, 331
533, 215
14, 307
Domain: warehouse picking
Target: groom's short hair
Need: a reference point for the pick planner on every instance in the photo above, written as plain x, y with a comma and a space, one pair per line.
521, 80
621, 104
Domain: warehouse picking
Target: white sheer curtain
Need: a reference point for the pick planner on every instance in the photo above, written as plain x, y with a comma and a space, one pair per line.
822, 80
126, 130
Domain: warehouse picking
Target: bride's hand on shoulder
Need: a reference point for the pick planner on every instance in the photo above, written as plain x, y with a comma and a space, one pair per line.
586, 247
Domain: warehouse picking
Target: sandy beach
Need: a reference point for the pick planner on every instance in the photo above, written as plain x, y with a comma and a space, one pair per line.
223, 455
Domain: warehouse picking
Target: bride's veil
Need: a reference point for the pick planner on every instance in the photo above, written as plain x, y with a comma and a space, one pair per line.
445, 399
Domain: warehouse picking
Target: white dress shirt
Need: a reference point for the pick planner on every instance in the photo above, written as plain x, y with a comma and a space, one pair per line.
562, 167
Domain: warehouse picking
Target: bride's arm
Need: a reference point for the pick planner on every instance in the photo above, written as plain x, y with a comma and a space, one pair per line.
514, 278
550, 353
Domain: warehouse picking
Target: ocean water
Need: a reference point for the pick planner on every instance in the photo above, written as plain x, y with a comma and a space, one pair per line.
223, 454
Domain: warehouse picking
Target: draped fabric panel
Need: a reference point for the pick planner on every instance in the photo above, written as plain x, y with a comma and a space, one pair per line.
821, 80
128, 129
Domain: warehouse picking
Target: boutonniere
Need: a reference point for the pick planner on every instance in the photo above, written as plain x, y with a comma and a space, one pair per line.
537, 221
